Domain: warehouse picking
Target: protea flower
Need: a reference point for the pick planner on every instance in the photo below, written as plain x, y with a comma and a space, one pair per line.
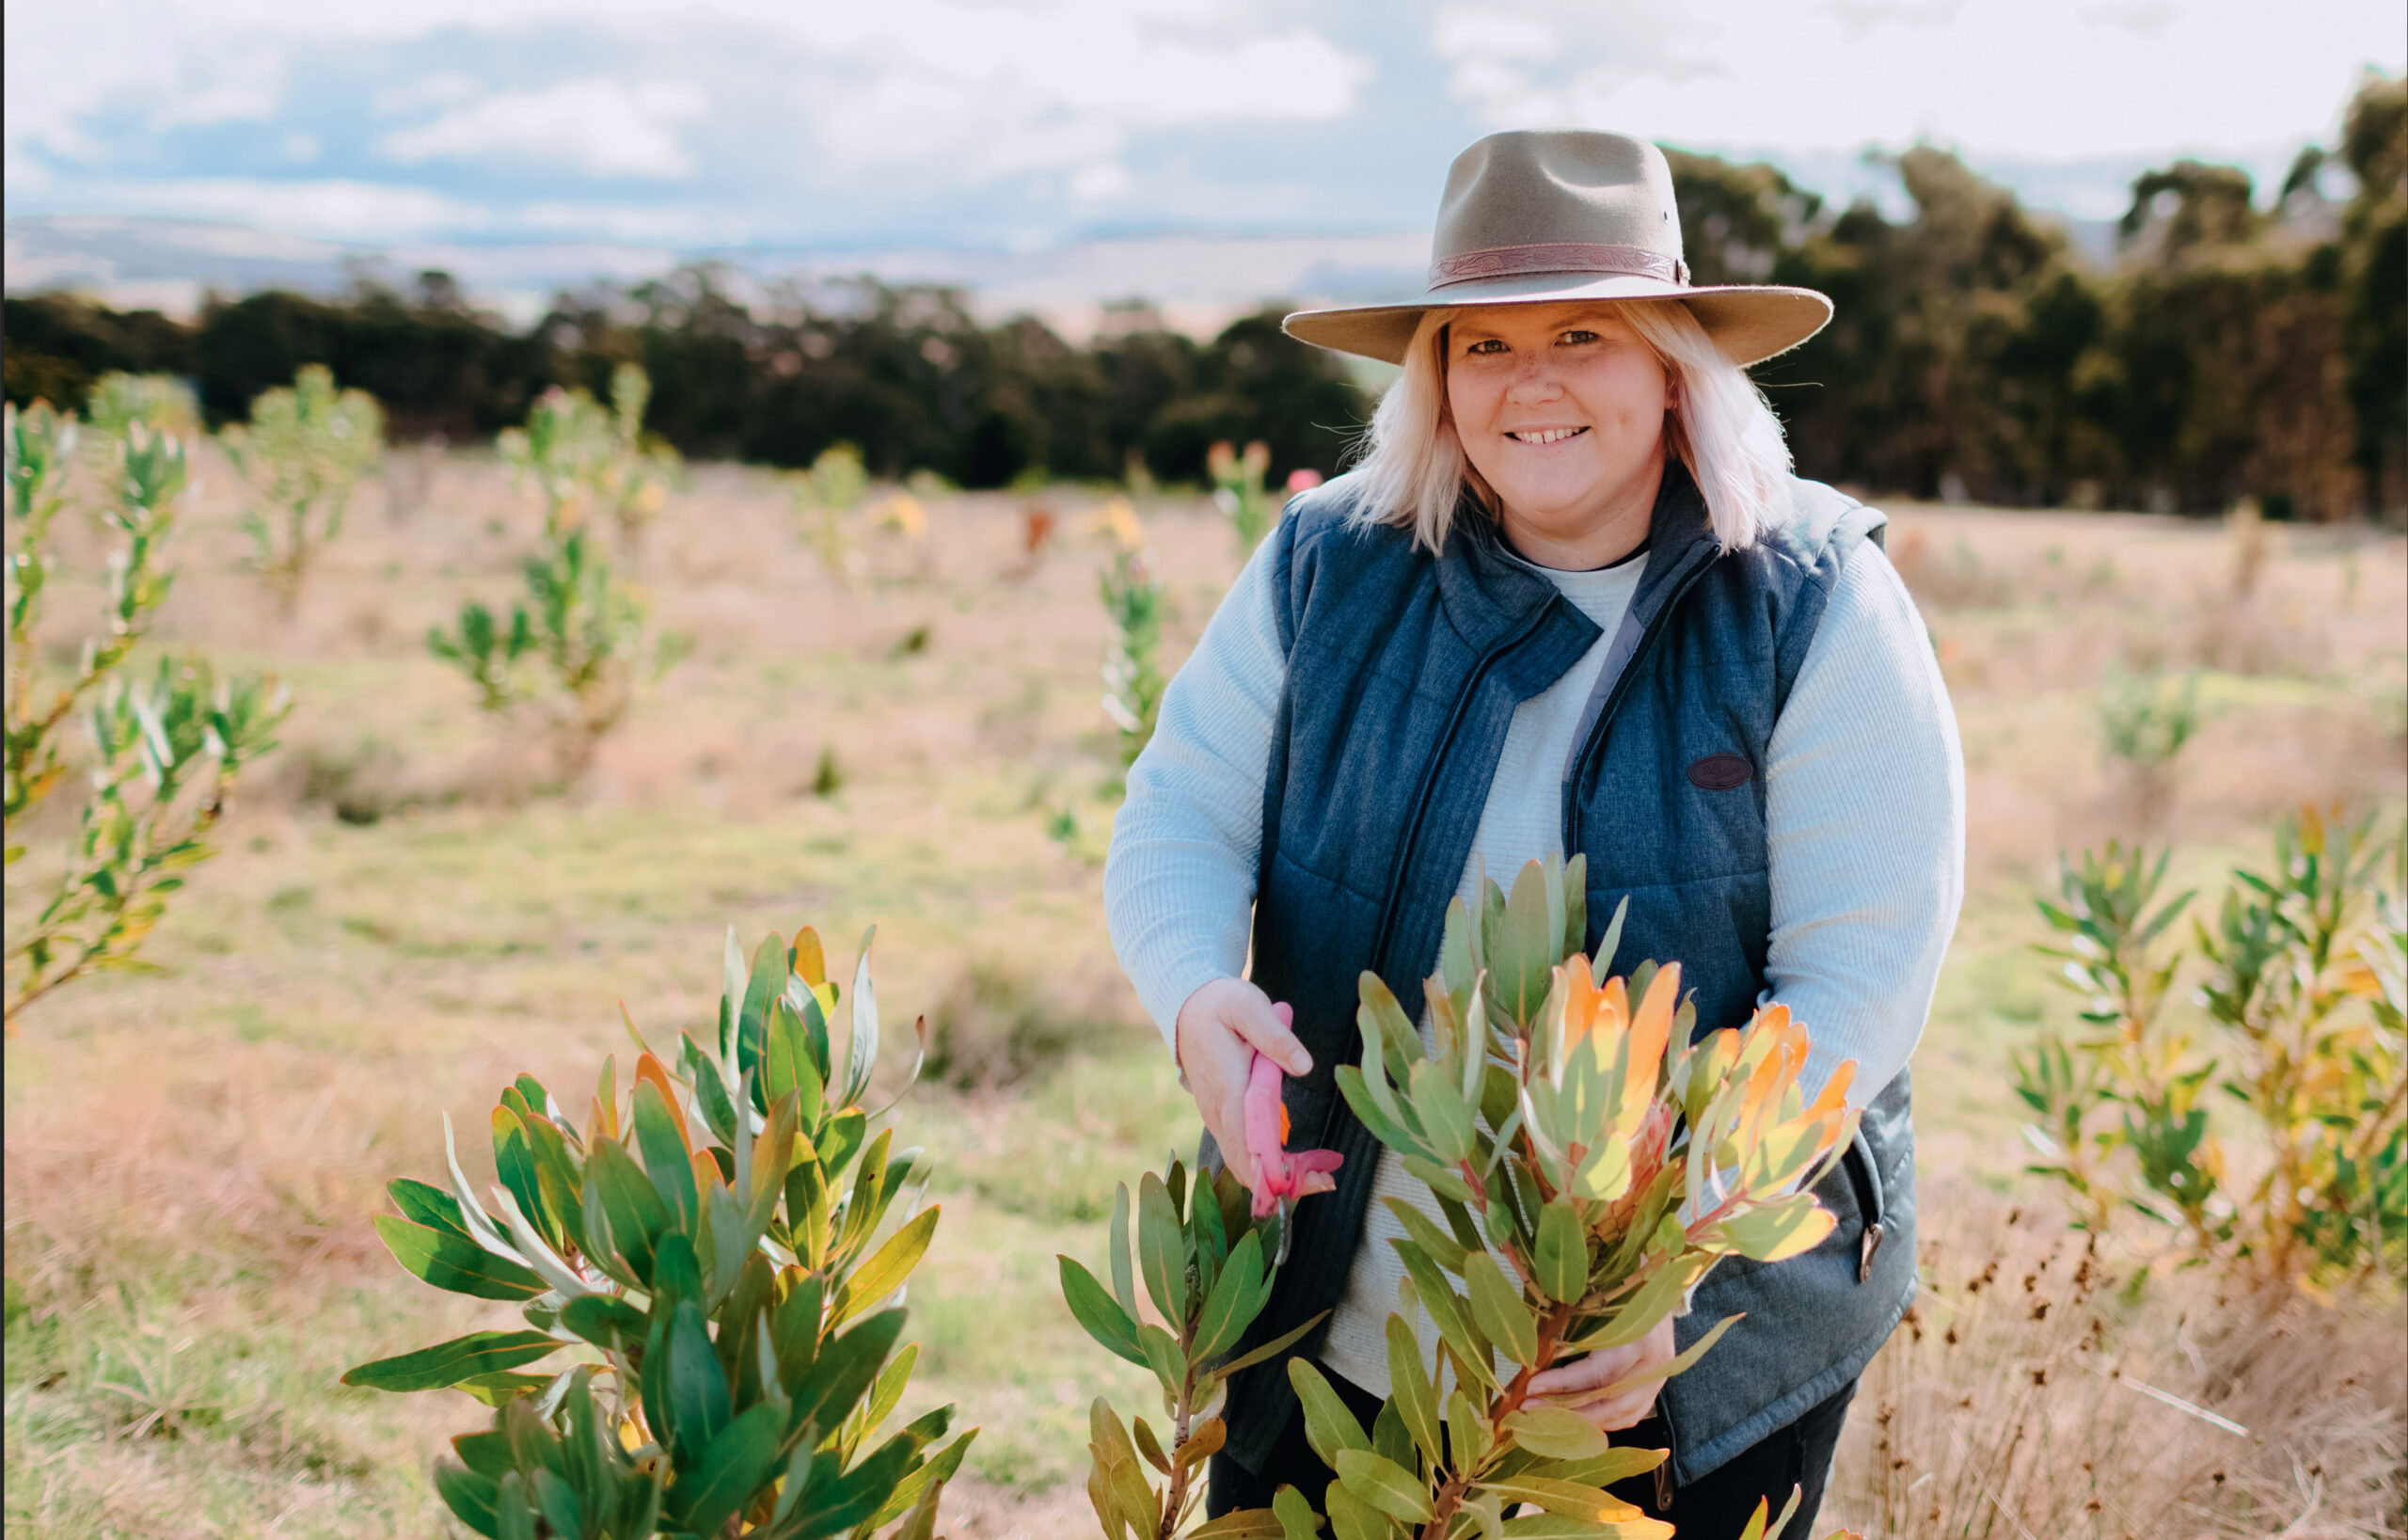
1278, 1171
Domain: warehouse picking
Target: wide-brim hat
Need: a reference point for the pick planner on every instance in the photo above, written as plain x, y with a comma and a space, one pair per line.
1542, 215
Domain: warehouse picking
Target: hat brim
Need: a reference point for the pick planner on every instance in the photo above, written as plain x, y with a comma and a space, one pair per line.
1750, 323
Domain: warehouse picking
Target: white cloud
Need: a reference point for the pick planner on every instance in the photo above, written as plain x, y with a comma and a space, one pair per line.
973, 119
2041, 79
601, 127
1100, 181
333, 208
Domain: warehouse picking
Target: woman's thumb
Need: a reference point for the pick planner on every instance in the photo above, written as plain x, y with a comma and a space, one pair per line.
1273, 1036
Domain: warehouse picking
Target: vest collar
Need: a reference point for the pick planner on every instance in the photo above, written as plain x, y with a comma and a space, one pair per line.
1491, 594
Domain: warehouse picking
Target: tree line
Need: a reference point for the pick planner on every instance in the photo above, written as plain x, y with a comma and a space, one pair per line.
2233, 348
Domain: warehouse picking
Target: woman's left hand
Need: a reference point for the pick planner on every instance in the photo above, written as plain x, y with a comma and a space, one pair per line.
1572, 1386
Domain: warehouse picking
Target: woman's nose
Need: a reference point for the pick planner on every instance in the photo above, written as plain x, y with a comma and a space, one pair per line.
1532, 382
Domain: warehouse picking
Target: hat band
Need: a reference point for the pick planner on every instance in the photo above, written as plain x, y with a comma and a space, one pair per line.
1497, 261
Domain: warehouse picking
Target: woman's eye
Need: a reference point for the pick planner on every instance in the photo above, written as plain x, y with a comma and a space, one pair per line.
1576, 337
1487, 344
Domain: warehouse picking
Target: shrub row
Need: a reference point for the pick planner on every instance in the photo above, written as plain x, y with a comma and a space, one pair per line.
2232, 350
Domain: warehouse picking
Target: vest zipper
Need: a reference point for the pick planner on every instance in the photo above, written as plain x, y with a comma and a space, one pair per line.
1664, 1487
1869, 1202
1430, 774
1613, 703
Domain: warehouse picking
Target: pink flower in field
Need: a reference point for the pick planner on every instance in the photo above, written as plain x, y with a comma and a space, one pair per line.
1279, 1172
1302, 478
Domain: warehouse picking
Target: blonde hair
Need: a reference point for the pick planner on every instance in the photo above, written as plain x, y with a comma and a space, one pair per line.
1413, 470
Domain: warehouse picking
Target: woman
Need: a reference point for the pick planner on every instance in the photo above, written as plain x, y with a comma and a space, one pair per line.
1570, 600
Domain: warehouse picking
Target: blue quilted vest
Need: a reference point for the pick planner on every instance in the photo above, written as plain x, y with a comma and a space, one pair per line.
1404, 672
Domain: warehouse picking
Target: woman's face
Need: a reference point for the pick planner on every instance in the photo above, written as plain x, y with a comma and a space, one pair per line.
1561, 409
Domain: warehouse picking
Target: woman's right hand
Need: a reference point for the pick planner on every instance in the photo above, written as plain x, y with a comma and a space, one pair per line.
1220, 1029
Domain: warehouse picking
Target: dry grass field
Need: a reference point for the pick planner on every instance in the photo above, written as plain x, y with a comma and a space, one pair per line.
401, 918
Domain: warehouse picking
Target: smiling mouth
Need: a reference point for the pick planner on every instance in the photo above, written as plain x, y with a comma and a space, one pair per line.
1546, 436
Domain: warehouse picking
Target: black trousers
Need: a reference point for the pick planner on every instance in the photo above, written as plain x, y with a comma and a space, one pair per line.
1716, 1508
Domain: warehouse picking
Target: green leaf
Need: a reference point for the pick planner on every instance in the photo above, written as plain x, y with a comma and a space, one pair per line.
698, 1397
676, 1274
1680, 1361
560, 1182
1607, 945
731, 999
845, 1369
1352, 1518
1571, 1499
1778, 1231
887, 1389
917, 1490
728, 1239
451, 1261
606, 1321
723, 1480
1560, 1527
794, 1331
1413, 1395
1467, 1431
1523, 955
449, 1363
1556, 1433
1163, 1356
1251, 1523
1237, 1297
886, 1268
487, 1454
840, 1139
630, 1205
867, 1205
1329, 1427
1297, 1520
788, 1066
1391, 1441
1576, 906
427, 1205
1162, 1249
1444, 1116
502, 1387
768, 977
515, 1163
473, 1498
1124, 1287
665, 1161
711, 1095
1614, 1465
806, 1189
1561, 1258
1639, 1312
1450, 1311
850, 1499
1499, 1309
1442, 1248
1097, 1312
1383, 1484
1456, 964
1269, 1350
1207, 1240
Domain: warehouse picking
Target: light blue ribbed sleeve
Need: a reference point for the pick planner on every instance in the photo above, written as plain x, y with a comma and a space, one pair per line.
1865, 788
1178, 881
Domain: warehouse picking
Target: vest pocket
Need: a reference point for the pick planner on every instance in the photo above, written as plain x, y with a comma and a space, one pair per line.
1865, 1180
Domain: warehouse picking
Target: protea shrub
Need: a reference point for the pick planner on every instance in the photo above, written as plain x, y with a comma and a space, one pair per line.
710, 1285
1590, 1164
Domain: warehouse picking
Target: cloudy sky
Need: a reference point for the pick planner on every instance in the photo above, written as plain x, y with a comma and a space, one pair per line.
1020, 123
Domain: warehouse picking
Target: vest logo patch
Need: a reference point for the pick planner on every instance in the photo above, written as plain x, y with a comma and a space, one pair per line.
1721, 772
